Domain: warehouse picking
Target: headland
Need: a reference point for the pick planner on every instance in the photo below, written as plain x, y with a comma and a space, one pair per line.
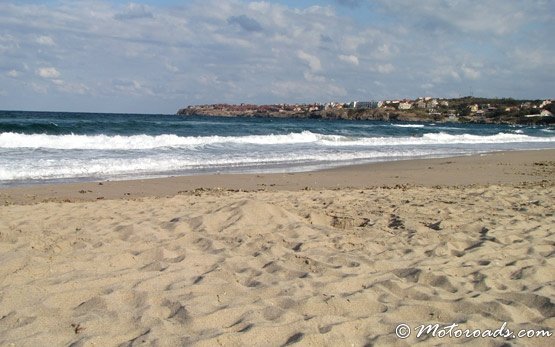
425, 109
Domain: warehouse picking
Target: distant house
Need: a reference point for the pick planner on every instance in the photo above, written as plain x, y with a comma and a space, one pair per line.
405, 105
526, 104
333, 105
432, 104
474, 108
364, 104
545, 103
546, 113
421, 103
394, 104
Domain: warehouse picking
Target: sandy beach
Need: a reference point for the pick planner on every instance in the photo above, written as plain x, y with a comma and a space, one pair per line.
337, 257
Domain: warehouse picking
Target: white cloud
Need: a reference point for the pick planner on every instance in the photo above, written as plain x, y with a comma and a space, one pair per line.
8, 43
45, 41
132, 88
443, 71
134, 11
385, 68
48, 72
536, 57
384, 51
351, 59
470, 72
39, 88
352, 43
314, 78
73, 88
12, 73
312, 61
171, 68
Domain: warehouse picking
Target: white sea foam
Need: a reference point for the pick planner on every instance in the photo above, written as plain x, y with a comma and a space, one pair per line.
113, 167
440, 139
118, 142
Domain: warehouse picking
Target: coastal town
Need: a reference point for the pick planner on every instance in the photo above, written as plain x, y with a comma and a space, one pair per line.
464, 110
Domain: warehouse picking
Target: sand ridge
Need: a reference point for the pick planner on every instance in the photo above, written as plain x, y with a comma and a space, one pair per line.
315, 267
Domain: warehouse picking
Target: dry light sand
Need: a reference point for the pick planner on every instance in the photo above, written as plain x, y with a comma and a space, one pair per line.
340, 263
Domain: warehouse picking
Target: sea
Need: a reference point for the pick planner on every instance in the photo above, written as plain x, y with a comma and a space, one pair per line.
54, 147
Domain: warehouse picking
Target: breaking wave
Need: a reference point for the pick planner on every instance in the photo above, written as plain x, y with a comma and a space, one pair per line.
134, 142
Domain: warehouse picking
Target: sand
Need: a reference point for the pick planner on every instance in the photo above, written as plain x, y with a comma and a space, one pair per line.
338, 262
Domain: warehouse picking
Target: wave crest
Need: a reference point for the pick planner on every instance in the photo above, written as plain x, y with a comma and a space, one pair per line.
133, 142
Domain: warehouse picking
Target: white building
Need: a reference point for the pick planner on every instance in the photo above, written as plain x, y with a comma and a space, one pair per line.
364, 104
421, 103
432, 103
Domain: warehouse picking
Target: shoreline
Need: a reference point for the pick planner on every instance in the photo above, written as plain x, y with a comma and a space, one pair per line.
481, 169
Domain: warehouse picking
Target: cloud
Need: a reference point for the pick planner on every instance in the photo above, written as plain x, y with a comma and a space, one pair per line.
385, 68
171, 68
246, 23
470, 72
532, 58
313, 77
131, 87
8, 43
134, 11
45, 41
351, 59
12, 73
68, 87
312, 61
39, 88
47, 72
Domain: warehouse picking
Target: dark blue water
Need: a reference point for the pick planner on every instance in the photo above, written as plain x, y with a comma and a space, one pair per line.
54, 147
64, 123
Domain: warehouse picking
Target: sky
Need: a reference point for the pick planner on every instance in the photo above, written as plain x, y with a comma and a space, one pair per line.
158, 56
